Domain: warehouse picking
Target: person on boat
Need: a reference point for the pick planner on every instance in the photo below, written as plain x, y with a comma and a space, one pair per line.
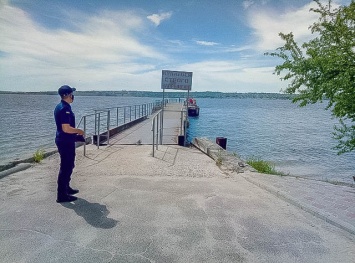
192, 101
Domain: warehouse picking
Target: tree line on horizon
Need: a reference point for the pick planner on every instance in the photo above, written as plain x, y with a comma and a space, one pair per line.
159, 94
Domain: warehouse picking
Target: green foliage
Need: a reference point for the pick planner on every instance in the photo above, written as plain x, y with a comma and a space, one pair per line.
324, 67
345, 134
38, 156
263, 166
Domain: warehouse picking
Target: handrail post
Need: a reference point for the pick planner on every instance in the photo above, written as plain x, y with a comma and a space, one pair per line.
130, 113
85, 135
135, 112
185, 128
108, 127
181, 121
157, 134
153, 129
124, 114
95, 121
98, 132
161, 127
117, 116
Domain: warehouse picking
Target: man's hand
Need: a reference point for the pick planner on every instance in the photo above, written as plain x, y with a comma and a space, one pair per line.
68, 129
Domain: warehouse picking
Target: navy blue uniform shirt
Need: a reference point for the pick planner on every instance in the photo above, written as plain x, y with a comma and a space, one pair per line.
64, 115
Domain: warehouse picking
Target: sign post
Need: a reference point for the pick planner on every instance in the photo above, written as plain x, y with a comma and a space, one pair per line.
178, 80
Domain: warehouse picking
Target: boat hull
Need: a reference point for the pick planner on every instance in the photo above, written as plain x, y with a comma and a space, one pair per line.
193, 111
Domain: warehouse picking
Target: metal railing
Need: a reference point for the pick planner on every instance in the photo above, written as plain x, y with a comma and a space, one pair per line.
158, 127
99, 123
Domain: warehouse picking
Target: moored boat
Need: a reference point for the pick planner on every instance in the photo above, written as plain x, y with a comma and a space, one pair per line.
193, 109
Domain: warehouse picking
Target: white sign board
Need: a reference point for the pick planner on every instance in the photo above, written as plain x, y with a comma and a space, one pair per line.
176, 80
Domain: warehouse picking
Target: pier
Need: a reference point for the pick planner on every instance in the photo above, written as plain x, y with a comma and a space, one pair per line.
174, 115
175, 206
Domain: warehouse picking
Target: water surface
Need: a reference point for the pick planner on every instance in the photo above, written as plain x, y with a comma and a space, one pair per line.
297, 140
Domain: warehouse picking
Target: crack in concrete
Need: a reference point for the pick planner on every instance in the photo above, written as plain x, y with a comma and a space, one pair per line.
141, 254
176, 153
109, 193
61, 240
103, 158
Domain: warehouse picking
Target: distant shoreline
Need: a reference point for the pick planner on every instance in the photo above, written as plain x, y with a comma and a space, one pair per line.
174, 94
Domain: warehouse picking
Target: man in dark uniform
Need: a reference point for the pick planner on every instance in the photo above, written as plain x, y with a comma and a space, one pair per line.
65, 141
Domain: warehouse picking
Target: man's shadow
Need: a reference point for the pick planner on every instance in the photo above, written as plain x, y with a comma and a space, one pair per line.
93, 213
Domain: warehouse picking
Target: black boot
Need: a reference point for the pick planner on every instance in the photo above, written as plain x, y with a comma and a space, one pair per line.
71, 191
65, 198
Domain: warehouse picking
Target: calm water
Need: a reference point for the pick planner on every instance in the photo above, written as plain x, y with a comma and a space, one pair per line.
297, 140
27, 121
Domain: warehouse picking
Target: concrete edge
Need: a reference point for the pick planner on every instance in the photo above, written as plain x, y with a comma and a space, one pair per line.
19, 167
315, 212
10, 165
227, 161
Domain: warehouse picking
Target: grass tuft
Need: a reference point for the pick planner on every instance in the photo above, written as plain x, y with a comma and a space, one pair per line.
38, 156
263, 166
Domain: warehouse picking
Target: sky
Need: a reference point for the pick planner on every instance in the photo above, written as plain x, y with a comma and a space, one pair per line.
125, 44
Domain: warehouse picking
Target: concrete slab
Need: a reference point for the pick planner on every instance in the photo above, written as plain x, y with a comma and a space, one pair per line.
136, 208
327, 200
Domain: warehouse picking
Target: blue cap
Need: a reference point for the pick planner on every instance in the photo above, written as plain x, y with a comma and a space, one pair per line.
65, 90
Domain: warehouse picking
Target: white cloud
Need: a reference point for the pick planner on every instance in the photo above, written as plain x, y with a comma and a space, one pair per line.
100, 50
232, 76
158, 18
104, 52
254, 3
268, 24
233, 49
247, 4
206, 43
176, 42
3, 3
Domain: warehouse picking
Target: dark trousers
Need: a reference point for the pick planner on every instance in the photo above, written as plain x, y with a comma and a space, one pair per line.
67, 159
